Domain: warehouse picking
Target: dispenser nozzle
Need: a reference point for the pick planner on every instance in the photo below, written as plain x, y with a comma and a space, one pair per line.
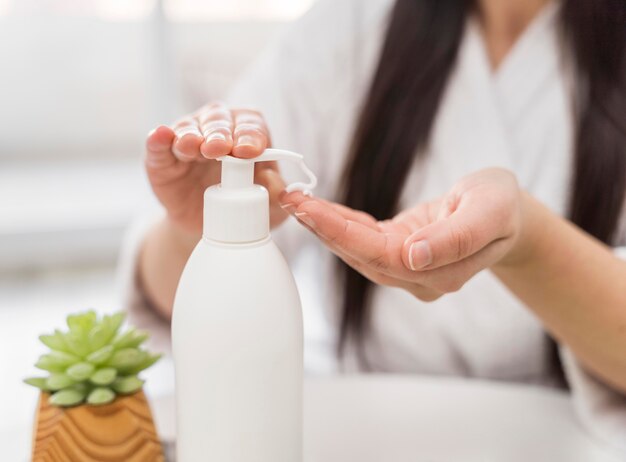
238, 173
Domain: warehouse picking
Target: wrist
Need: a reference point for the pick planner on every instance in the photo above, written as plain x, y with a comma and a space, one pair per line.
532, 228
182, 238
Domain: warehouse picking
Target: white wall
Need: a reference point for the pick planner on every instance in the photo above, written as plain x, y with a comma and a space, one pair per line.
82, 86
77, 97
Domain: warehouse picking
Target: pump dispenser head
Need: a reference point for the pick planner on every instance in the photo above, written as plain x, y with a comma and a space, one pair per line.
237, 210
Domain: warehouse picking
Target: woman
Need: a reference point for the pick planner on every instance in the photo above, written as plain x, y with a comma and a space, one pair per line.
455, 134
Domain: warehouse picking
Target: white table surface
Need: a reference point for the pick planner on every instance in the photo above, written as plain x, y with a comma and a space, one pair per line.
418, 419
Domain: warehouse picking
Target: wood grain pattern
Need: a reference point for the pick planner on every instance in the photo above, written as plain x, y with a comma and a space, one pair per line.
122, 431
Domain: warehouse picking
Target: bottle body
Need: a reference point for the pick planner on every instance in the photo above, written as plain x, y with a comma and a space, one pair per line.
237, 344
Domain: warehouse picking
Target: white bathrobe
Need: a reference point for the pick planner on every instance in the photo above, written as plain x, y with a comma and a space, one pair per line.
310, 84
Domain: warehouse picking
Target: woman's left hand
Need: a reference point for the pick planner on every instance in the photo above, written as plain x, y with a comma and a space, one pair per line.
432, 248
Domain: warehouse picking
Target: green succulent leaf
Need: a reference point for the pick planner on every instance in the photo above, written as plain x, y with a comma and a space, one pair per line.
39, 382
68, 397
77, 344
92, 361
58, 381
104, 376
122, 337
56, 361
126, 359
82, 387
145, 363
101, 395
82, 322
113, 321
101, 356
127, 385
55, 341
132, 338
98, 337
80, 371
63, 358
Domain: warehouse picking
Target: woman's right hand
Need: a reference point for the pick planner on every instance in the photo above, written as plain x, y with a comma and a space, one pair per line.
180, 161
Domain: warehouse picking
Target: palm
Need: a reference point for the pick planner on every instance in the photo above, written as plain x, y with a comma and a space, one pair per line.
431, 249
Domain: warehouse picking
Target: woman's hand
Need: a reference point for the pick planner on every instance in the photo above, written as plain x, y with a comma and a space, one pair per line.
180, 160
431, 249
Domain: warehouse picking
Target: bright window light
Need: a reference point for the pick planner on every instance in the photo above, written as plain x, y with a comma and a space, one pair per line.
123, 9
106, 9
178, 10
234, 10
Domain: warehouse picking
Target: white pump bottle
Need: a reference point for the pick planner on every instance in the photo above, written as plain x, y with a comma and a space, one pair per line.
237, 330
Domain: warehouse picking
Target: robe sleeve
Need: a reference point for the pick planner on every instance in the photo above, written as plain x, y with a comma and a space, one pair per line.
132, 299
601, 409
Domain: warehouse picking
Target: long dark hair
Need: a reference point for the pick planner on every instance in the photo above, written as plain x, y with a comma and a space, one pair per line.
418, 55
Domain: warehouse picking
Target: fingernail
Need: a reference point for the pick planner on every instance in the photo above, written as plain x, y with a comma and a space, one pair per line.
420, 255
216, 136
289, 207
306, 219
247, 140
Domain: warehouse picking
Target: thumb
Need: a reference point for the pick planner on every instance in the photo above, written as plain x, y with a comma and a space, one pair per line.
451, 239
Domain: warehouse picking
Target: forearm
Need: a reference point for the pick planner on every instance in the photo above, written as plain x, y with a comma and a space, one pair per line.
576, 286
163, 256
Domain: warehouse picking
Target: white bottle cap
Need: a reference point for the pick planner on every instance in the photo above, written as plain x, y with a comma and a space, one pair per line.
237, 210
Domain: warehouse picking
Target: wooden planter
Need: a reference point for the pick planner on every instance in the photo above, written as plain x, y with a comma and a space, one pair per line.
116, 432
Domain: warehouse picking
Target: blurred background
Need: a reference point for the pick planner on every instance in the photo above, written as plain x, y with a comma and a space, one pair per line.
81, 83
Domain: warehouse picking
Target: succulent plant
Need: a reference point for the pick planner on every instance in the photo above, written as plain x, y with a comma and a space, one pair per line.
94, 361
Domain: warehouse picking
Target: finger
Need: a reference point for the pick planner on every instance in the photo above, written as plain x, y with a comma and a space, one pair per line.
251, 136
419, 291
452, 277
271, 180
451, 239
267, 175
353, 215
159, 148
216, 124
393, 226
417, 217
447, 207
372, 247
188, 139
290, 201
367, 271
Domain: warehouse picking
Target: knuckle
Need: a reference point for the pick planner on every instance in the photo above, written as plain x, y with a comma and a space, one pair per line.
215, 105
221, 126
337, 237
462, 241
184, 122
187, 130
212, 106
245, 115
335, 240
212, 115
248, 129
378, 262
